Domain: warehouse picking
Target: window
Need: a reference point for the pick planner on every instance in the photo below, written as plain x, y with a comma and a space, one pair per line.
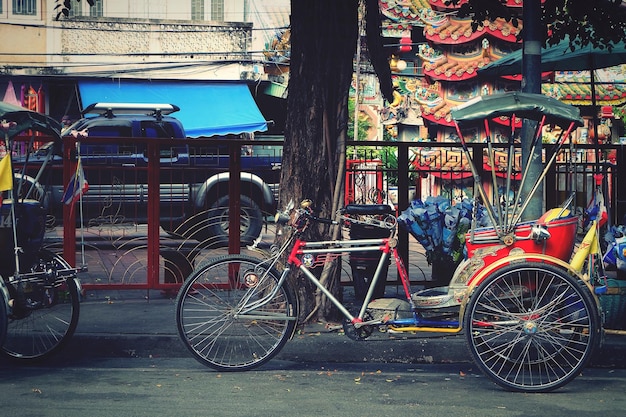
75, 8
96, 10
217, 10
25, 7
197, 9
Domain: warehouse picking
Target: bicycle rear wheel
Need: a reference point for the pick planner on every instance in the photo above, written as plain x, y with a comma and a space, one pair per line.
44, 326
232, 316
531, 327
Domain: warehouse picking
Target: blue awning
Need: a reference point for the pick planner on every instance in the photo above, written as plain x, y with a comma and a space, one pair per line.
206, 109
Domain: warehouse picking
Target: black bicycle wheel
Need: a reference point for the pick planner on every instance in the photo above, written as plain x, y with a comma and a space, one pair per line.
3, 318
231, 314
531, 327
45, 315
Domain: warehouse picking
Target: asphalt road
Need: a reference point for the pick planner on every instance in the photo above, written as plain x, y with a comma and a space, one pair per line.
180, 387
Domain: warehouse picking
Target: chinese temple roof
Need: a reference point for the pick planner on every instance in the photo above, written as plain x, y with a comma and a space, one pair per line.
442, 27
453, 55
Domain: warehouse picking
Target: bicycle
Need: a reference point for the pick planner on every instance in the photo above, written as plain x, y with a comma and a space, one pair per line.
39, 290
531, 321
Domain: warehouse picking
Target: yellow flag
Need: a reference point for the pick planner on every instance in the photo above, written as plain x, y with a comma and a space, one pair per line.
6, 173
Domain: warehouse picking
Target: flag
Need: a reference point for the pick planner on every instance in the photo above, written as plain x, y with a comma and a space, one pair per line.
77, 186
6, 173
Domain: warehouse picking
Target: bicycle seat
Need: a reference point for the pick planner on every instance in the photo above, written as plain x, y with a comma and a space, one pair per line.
367, 209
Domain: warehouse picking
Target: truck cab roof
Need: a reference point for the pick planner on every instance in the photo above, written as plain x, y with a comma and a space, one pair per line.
129, 120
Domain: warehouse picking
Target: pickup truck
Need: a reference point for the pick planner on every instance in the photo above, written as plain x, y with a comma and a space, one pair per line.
194, 191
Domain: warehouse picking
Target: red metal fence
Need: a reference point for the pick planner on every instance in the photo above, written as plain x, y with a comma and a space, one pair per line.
133, 254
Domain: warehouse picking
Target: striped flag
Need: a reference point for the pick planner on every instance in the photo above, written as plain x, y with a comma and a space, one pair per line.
77, 186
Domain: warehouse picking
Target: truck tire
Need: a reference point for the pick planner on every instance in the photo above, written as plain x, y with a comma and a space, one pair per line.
218, 225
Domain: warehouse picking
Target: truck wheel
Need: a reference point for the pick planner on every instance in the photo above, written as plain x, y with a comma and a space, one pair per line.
26, 187
218, 225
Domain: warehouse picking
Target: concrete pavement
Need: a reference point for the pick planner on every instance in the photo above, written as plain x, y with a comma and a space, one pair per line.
139, 324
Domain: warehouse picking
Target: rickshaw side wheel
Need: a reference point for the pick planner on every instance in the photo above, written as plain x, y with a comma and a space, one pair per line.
3, 318
531, 326
47, 327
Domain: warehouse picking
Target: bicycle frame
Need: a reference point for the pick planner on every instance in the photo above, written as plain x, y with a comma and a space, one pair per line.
308, 255
327, 251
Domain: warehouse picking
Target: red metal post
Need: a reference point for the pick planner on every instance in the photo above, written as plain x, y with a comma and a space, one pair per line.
234, 203
153, 215
69, 215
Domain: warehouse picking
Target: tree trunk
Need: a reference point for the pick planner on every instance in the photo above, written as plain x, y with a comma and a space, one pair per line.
323, 43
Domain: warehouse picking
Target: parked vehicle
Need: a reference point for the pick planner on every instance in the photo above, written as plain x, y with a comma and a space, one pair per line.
39, 290
194, 179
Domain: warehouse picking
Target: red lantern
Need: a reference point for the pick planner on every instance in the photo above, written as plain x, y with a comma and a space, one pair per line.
405, 44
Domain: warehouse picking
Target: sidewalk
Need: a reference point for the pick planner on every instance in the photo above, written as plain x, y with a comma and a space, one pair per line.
131, 325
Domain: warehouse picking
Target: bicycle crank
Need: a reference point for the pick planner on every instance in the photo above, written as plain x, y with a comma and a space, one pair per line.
360, 331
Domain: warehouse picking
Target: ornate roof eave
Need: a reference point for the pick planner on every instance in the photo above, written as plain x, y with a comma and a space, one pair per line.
441, 4
397, 10
579, 94
456, 31
518, 77
439, 114
451, 69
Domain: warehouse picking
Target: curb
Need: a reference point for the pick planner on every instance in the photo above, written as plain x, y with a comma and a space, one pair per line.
138, 328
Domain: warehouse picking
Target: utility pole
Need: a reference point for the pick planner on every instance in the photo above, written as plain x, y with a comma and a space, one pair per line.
531, 83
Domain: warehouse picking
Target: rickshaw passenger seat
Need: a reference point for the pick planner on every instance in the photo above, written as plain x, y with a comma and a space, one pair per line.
367, 209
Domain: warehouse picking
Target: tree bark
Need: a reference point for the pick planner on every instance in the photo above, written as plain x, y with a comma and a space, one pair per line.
323, 43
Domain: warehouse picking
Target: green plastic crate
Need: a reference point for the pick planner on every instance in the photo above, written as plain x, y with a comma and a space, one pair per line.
614, 305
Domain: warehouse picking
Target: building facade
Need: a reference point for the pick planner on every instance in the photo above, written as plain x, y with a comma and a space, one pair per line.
48, 50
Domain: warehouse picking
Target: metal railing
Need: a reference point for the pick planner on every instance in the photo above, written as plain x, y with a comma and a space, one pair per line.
138, 254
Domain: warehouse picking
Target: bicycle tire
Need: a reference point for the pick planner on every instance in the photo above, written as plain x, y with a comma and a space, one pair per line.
45, 330
531, 327
3, 317
211, 321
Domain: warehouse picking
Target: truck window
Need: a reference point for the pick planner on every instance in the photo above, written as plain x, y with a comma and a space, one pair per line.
150, 129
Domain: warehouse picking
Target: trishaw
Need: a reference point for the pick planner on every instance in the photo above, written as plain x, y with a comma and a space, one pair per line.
39, 290
530, 316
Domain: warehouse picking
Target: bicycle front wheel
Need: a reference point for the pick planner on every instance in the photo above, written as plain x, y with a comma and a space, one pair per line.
232, 315
531, 327
39, 329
